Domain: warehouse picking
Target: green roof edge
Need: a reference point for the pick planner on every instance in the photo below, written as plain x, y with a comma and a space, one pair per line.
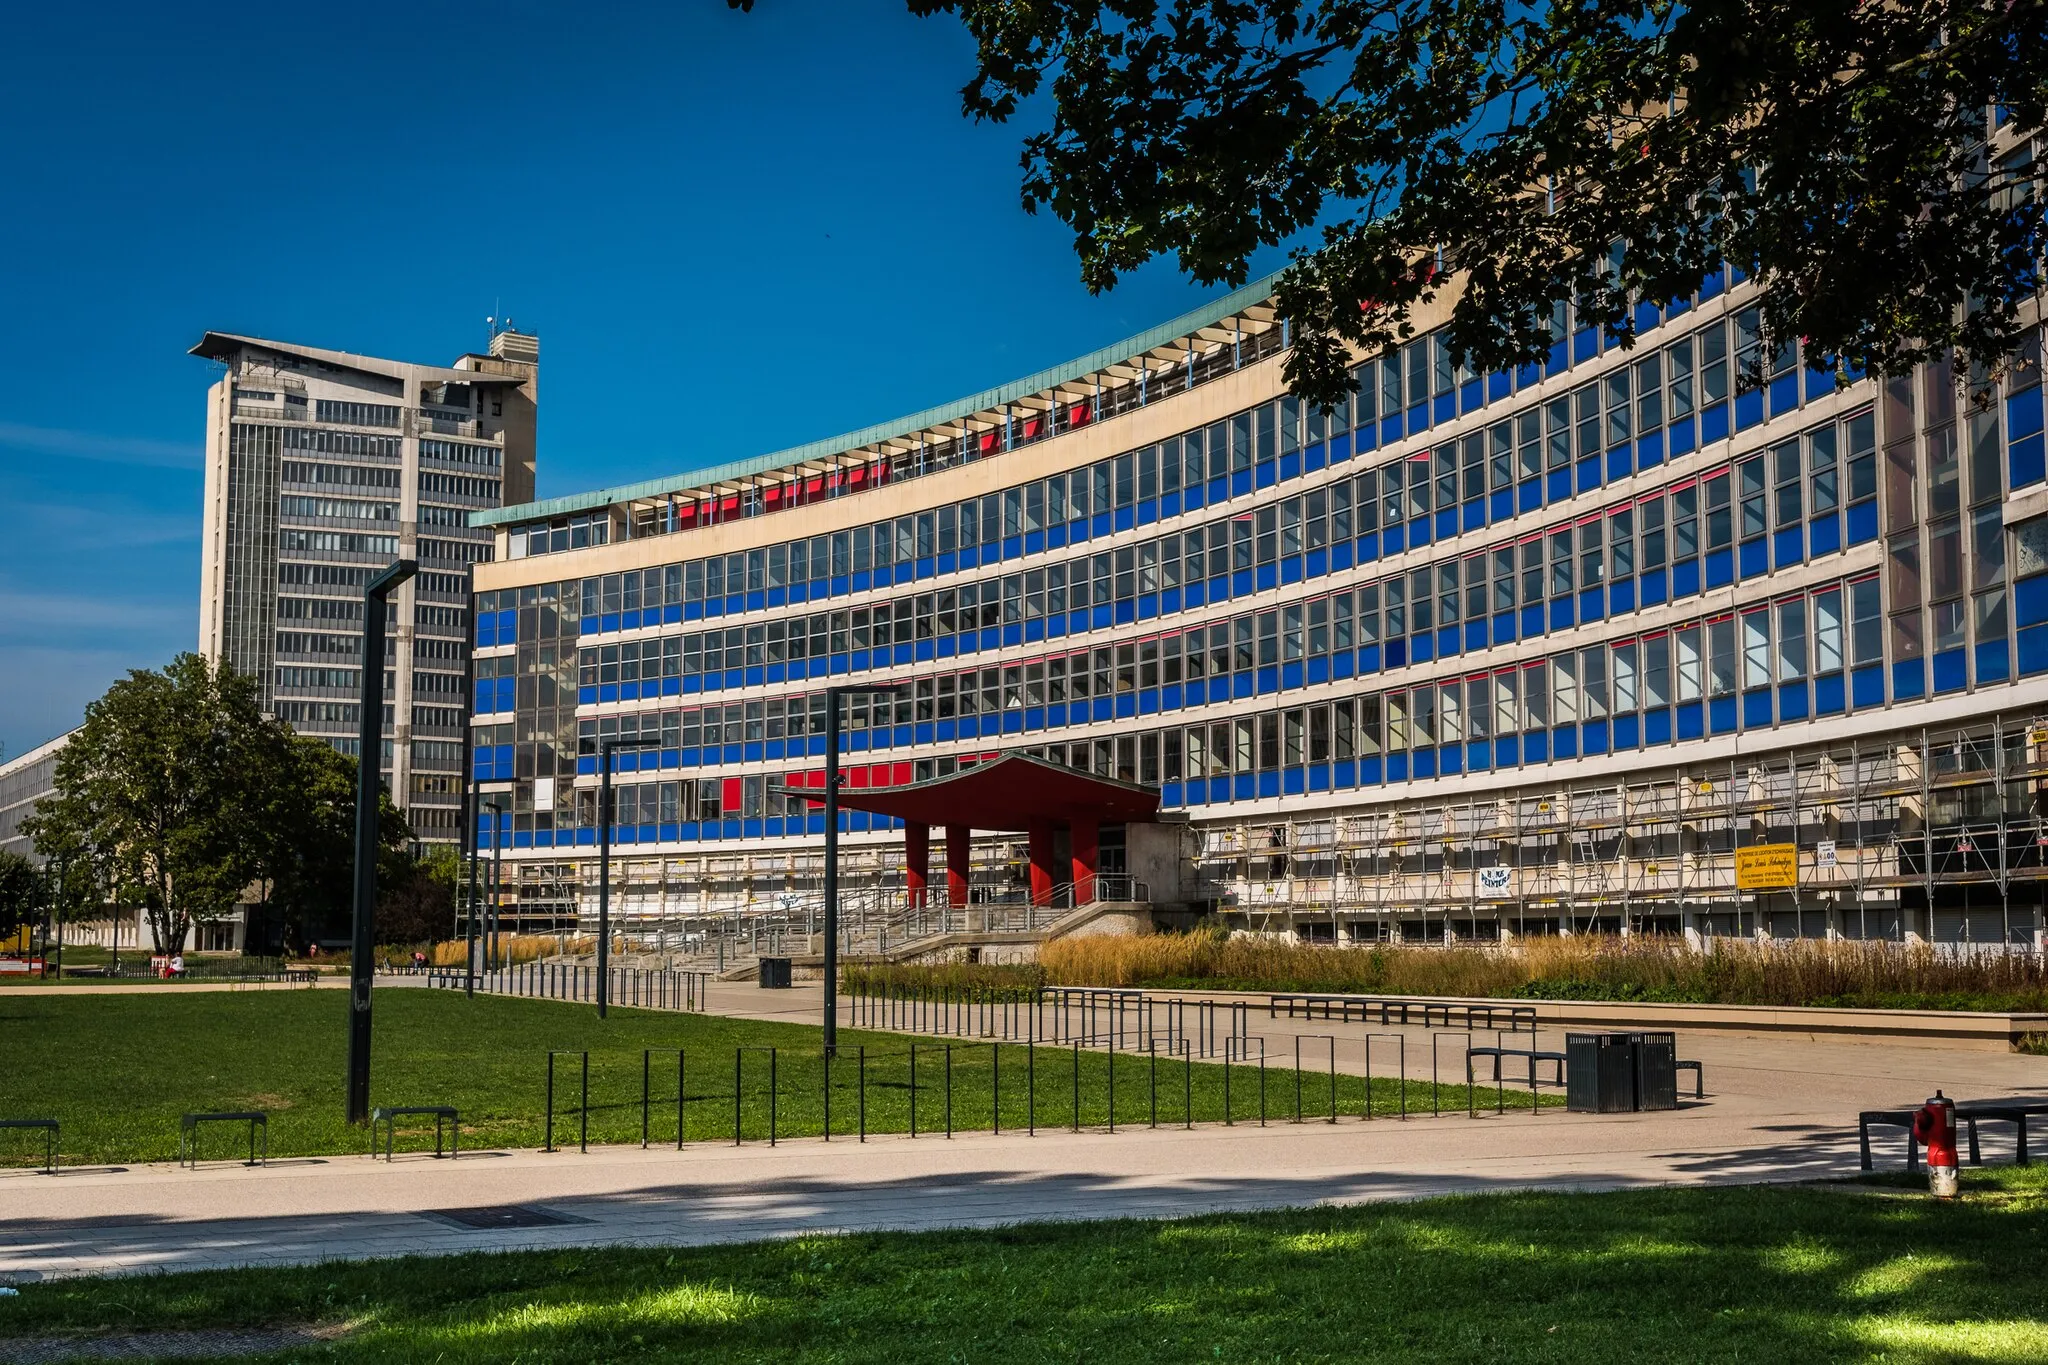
1235, 301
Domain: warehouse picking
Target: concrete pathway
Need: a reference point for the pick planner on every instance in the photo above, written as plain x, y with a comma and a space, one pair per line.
1777, 1111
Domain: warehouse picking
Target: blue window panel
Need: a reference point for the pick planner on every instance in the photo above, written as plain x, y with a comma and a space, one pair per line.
1499, 384
1500, 504
1241, 582
1558, 485
1475, 634
1625, 731
629, 691
1170, 794
486, 629
1714, 424
1219, 690
1267, 679
1421, 649
608, 623
1218, 489
1909, 679
1100, 617
1169, 601
1397, 652
1290, 676
1721, 715
1564, 741
1452, 759
1240, 483
1318, 671
1619, 464
2030, 600
777, 672
608, 692
1585, 344
863, 579
508, 627
1478, 756
1148, 511
1418, 533
1749, 409
1368, 547
1592, 604
1099, 707
1317, 564
1756, 557
1418, 418
1444, 408
1293, 782
1828, 696
1098, 525
1532, 621
672, 614
1994, 665
1126, 612
1340, 664
1756, 709
949, 561
1720, 568
861, 657
1535, 744
1268, 576
1394, 539
1785, 394
507, 693
1826, 533
1013, 546
1621, 596
1193, 595
1528, 496
2023, 414
483, 763
1863, 522
586, 764
1593, 735
1683, 437
1390, 430
1447, 523
1504, 628
1786, 548
1319, 777
1556, 362
841, 584
1346, 773
1262, 474
1646, 317
1711, 286
1340, 446
671, 687
1792, 700
1951, 672
1369, 659
1866, 685
949, 729
1472, 395
1396, 765
1819, 383
1692, 720
2026, 461
1424, 762
1561, 613
1446, 642
1244, 787
1312, 459
1148, 607
1650, 450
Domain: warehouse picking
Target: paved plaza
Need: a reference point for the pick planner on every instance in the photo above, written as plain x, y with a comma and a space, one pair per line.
1776, 1110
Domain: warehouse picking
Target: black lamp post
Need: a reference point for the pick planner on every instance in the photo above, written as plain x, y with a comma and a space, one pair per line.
833, 698
605, 749
370, 733
497, 811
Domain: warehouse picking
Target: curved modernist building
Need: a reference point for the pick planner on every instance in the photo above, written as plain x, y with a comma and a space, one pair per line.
1679, 636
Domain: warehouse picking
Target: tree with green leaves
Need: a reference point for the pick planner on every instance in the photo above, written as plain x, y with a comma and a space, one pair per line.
1512, 159
23, 893
306, 838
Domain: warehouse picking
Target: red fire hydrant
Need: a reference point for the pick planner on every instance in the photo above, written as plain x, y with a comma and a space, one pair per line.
1934, 1126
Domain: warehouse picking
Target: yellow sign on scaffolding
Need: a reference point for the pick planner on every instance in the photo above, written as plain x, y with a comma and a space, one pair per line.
1767, 867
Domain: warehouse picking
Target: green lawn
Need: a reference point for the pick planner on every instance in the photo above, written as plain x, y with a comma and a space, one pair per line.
1777, 1275
118, 1070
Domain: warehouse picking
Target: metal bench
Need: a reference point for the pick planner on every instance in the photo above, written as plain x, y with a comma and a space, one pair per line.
188, 1134
389, 1115
48, 1128
1531, 1055
301, 976
1971, 1112
1699, 1077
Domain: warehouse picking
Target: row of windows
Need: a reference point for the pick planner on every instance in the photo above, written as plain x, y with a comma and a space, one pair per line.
431, 515
459, 452
323, 575
293, 506
289, 677
352, 414
336, 542
314, 440
340, 475
460, 485
455, 551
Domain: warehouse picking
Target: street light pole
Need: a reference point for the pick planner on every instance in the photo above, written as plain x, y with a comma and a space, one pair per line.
834, 696
497, 811
370, 732
605, 749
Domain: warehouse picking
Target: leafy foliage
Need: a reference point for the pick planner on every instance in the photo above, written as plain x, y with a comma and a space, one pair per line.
22, 892
1513, 158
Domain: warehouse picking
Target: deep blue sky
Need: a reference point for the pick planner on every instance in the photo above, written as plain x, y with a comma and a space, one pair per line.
732, 233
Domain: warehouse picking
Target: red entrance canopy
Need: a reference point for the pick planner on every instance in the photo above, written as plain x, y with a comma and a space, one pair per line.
1013, 792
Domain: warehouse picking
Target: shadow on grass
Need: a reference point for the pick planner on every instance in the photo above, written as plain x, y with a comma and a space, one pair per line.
1793, 1274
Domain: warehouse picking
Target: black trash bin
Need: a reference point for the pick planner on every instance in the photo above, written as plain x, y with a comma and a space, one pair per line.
774, 973
1656, 1070
1600, 1073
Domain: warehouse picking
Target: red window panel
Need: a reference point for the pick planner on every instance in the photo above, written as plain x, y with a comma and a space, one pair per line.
730, 507
1081, 414
729, 796
815, 488
900, 775
1031, 426
988, 441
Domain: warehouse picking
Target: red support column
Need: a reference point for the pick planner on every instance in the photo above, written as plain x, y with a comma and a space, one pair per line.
917, 860
1041, 864
957, 863
1085, 836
